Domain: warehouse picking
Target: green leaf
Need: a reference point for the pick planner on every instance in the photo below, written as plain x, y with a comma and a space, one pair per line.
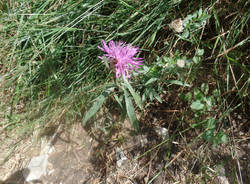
188, 97
209, 101
211, 124
216, 92
198, 94
197, 105
151, 81
220, 137
200, 12
185, 34
157, 96
96, 106
131, 111
180, 83
143, 97
196, 59
145, 69
151, 95
135, 95
208, 135
224, 138
181, 96
118, 101
205, 88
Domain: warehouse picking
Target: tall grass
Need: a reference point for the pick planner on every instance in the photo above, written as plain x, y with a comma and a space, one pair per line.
49, 50
51, 73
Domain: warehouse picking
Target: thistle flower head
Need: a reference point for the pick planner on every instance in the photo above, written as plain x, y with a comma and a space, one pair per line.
122, 57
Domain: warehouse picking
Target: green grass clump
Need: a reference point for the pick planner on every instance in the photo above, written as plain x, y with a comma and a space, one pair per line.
50, 72
49, 50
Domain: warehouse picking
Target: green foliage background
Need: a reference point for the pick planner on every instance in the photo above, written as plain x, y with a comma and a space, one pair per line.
50, 70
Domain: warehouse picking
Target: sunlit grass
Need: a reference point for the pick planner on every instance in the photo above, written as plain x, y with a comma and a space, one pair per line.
51, 73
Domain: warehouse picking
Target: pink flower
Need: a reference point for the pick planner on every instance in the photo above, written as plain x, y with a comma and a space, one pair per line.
122, 57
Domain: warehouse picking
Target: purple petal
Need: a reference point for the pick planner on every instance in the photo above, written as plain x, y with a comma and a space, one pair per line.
123, 55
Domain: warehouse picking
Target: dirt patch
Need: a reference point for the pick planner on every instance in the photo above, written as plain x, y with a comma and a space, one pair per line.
97, 156
68, 163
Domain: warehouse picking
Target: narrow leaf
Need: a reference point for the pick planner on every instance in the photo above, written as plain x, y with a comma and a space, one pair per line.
118, 101
157, 96
197, 105
180, 83
96, 106
151, 81
131, 111
135, 95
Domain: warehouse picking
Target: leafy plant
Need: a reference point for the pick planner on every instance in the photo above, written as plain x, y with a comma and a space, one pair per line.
202, 106
192, 24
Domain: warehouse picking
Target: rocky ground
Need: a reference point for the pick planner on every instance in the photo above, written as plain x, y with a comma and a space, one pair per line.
79, 156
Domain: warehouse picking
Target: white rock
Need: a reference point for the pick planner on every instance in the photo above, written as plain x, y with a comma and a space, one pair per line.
36, 168
144, 140
162, 132
222, 180
120, 157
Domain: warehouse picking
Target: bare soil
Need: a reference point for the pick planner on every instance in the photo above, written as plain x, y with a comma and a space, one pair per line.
90, 156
